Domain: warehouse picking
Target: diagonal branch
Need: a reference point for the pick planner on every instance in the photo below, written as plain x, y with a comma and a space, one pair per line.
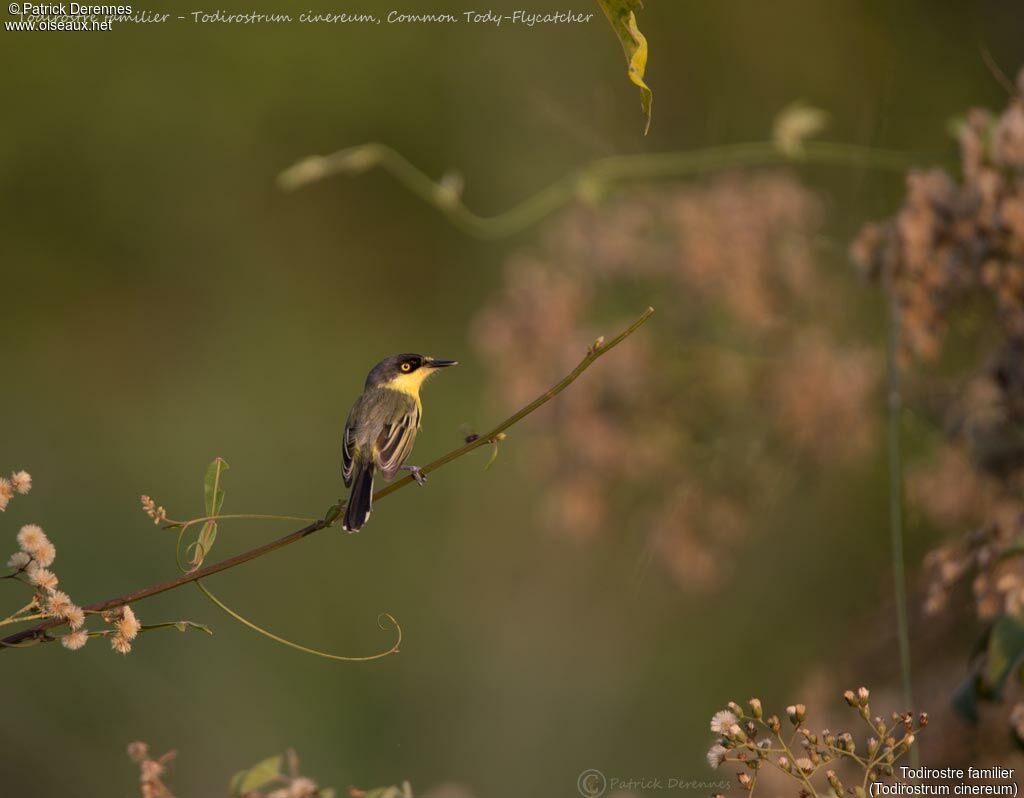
37, 633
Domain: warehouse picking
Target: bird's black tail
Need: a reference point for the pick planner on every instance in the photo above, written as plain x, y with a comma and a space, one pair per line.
360, 499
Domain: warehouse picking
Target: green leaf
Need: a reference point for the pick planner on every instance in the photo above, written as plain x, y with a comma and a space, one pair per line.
1004, 654
620, 14
258, 776
212, 485
184, 626
1015, 550
965, 698
203, 544
955, 126
213, 491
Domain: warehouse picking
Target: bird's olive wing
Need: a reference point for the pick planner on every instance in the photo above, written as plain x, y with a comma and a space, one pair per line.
395, 442
348, 448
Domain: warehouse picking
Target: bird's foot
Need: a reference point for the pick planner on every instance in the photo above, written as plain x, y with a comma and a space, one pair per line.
417, 474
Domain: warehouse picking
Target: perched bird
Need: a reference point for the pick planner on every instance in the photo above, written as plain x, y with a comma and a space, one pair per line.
381, 429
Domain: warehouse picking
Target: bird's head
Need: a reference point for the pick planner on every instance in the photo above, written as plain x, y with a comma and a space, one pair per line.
406, 373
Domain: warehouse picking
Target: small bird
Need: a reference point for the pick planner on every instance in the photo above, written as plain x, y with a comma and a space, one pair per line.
381, 429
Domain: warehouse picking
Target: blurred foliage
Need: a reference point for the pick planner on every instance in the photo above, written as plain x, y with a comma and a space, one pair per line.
738, 351
796, 123
956, 249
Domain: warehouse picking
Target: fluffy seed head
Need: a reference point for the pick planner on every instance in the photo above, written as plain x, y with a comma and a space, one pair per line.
75, 640
19, 560
127, 625
41, 577
722, 721
75, 617
31, 537
44, 554
120, 645
138, 751
302, 787
716, 755
21, 481
59, 603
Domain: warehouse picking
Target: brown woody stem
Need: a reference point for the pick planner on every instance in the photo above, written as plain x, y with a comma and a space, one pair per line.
38, 632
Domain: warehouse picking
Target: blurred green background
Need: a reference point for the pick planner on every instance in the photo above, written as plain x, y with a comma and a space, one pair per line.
164, 303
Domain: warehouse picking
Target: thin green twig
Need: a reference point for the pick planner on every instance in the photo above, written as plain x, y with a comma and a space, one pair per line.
895, 450
305, 649
590, 181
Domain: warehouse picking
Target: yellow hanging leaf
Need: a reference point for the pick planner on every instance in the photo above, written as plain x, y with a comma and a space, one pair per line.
621, 15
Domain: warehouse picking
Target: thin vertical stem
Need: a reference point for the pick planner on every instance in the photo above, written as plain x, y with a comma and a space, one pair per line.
895, 412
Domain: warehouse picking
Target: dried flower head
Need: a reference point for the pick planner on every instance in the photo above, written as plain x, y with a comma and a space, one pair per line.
75, 640
959, 243
45, 554
302, 787
722, 721
31, 537
19, 561
151, 770
716, 755
138, 751
811, 764
120, 645
21, 481
75, 617
41, 577
127, 624
59, 603
158, 514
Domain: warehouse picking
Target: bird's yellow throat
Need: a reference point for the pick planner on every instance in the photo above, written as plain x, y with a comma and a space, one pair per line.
411, 383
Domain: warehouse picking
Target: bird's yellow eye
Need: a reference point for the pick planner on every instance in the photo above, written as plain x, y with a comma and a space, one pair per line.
406, 367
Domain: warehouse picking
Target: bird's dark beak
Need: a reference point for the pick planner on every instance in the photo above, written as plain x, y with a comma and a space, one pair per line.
435, 363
